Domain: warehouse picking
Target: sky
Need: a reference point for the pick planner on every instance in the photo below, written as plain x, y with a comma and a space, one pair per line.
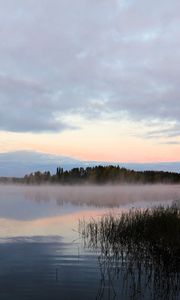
94, 80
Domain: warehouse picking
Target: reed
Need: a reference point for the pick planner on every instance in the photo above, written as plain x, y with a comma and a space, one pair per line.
145, 241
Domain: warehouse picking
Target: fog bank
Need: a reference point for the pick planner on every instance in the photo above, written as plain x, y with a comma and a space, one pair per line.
100, 196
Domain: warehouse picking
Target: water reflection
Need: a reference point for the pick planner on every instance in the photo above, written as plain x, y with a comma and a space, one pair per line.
55, 210
40, 251
99, 196
41, 268
139, 254
136, 279
64, 225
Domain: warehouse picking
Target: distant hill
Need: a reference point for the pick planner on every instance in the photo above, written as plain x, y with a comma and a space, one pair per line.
19, 163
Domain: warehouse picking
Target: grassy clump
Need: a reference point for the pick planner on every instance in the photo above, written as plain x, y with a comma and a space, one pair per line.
146, 241
156, 228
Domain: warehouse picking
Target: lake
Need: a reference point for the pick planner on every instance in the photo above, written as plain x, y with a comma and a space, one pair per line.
42, 255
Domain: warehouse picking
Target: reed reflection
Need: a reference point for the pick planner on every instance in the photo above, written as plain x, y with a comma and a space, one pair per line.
139, 253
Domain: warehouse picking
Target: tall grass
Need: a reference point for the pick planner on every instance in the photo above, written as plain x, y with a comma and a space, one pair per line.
146, 242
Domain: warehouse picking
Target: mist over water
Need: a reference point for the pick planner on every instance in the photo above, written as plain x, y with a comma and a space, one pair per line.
94, 195
49, 210
40, 247
55, 210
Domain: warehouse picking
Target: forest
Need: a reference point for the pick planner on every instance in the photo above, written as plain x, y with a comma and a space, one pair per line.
100, 175
95, 175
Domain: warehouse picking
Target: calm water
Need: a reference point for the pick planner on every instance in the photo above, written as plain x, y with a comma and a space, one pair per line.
41, 253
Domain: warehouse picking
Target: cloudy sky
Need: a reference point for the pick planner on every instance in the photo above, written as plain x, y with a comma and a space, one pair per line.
95, 80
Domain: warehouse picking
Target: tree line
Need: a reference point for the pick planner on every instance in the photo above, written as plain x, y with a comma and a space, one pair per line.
101, 175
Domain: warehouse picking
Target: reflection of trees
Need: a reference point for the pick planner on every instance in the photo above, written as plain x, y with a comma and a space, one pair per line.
101, 196
137, 262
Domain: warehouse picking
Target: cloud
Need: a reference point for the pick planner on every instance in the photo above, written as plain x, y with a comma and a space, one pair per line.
25, 107
92, 58
170, 132
172, 143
